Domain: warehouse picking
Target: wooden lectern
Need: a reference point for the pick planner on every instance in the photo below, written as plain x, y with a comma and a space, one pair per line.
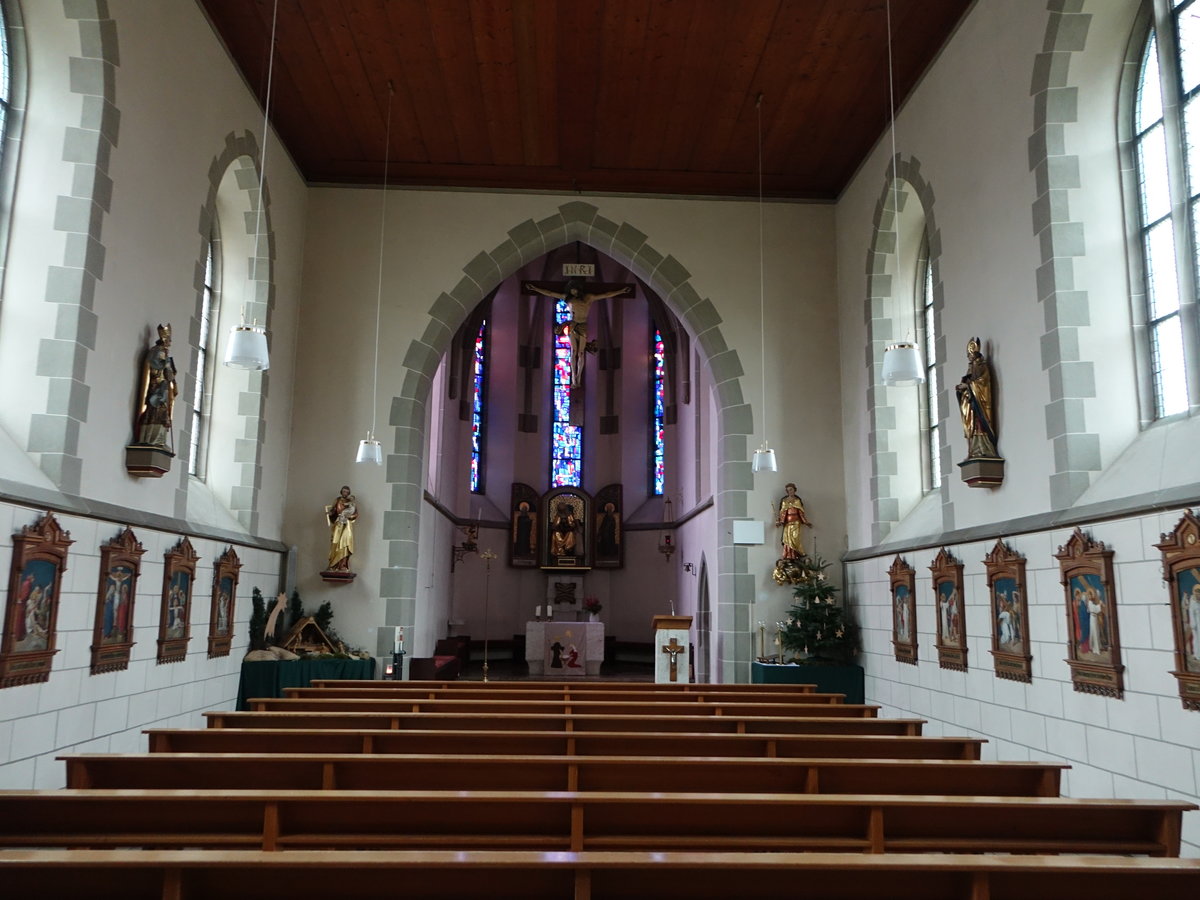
672, 661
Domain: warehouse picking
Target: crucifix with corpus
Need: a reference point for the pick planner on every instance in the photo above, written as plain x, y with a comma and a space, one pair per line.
579, 298
674, 648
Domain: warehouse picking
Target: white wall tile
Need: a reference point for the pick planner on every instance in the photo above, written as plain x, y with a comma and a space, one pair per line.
50, 773
1111, 751
1082, 780
34, 735
18, 775
1165, 764
75, 725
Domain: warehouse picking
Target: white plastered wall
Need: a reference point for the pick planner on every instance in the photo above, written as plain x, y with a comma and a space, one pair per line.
968, 125
179, 98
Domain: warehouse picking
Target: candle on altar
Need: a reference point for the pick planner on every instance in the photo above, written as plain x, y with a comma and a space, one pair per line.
537, 612
399, 639
549, 611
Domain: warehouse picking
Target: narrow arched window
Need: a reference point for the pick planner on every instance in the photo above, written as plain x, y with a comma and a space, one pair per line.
930, 422
5, 75
478, 408
566, 450
658, 456
202, 396
1166, 129
13, 80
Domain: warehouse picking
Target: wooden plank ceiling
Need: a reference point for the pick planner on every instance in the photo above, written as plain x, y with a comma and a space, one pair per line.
644, 96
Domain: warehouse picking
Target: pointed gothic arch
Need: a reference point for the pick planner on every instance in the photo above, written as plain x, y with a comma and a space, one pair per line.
574, 221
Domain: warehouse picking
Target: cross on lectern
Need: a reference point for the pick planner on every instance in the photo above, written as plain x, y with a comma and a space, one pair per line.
674, 648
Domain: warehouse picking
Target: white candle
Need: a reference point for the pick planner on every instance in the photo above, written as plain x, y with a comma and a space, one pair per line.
549, 611
537, 612
398, 639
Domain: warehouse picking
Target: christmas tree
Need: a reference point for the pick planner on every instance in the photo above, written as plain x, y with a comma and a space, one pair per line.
817, 624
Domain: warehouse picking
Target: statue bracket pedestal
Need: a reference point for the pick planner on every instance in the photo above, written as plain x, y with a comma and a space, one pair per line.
982, 471
147, 460
337, 576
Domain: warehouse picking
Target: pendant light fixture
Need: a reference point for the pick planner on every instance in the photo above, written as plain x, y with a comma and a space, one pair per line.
247, 345
902, 363
764, 456
369, 449
666, 543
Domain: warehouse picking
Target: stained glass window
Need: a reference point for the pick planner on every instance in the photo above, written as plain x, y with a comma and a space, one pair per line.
202, 396
1165, 231
566, 451
478, 415
659, 469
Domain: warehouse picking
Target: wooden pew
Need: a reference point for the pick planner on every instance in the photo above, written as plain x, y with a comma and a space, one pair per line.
497, 820
573, 686
357, 772
826, 707
558, 743
563, 722
534, 875
371, 690
531, 875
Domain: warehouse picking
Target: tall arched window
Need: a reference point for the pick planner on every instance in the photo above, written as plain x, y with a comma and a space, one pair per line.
1166, 158
12, 112
658, 455
566, 440
927, 326
478, 408
5, 75
202, 396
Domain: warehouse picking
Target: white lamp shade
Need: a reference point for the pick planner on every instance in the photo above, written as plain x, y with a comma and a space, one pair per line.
247, 348
764, 460
370, 452
902, 365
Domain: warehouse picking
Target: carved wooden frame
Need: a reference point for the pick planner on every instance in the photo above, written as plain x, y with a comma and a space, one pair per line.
225, 583
1181, 571
948, 607
581, 502
523, 493
120, 568
611, 493
1086, 566
179, 581
903, 580
39, 557
1006, 588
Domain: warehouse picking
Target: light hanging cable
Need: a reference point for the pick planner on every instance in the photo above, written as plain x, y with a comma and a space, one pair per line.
902, 360
370, 450
764, 456
247, 347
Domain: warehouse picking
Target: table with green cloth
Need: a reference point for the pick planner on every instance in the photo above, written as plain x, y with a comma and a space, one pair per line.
268, 678
829, 679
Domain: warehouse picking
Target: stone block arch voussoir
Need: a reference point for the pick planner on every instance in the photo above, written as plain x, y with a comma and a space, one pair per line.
526, 241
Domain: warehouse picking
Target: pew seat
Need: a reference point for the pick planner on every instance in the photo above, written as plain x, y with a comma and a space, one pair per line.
827, 705
568, 820
572, 722
558, 743
561, 773
598, 875
372, 690
573, 686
